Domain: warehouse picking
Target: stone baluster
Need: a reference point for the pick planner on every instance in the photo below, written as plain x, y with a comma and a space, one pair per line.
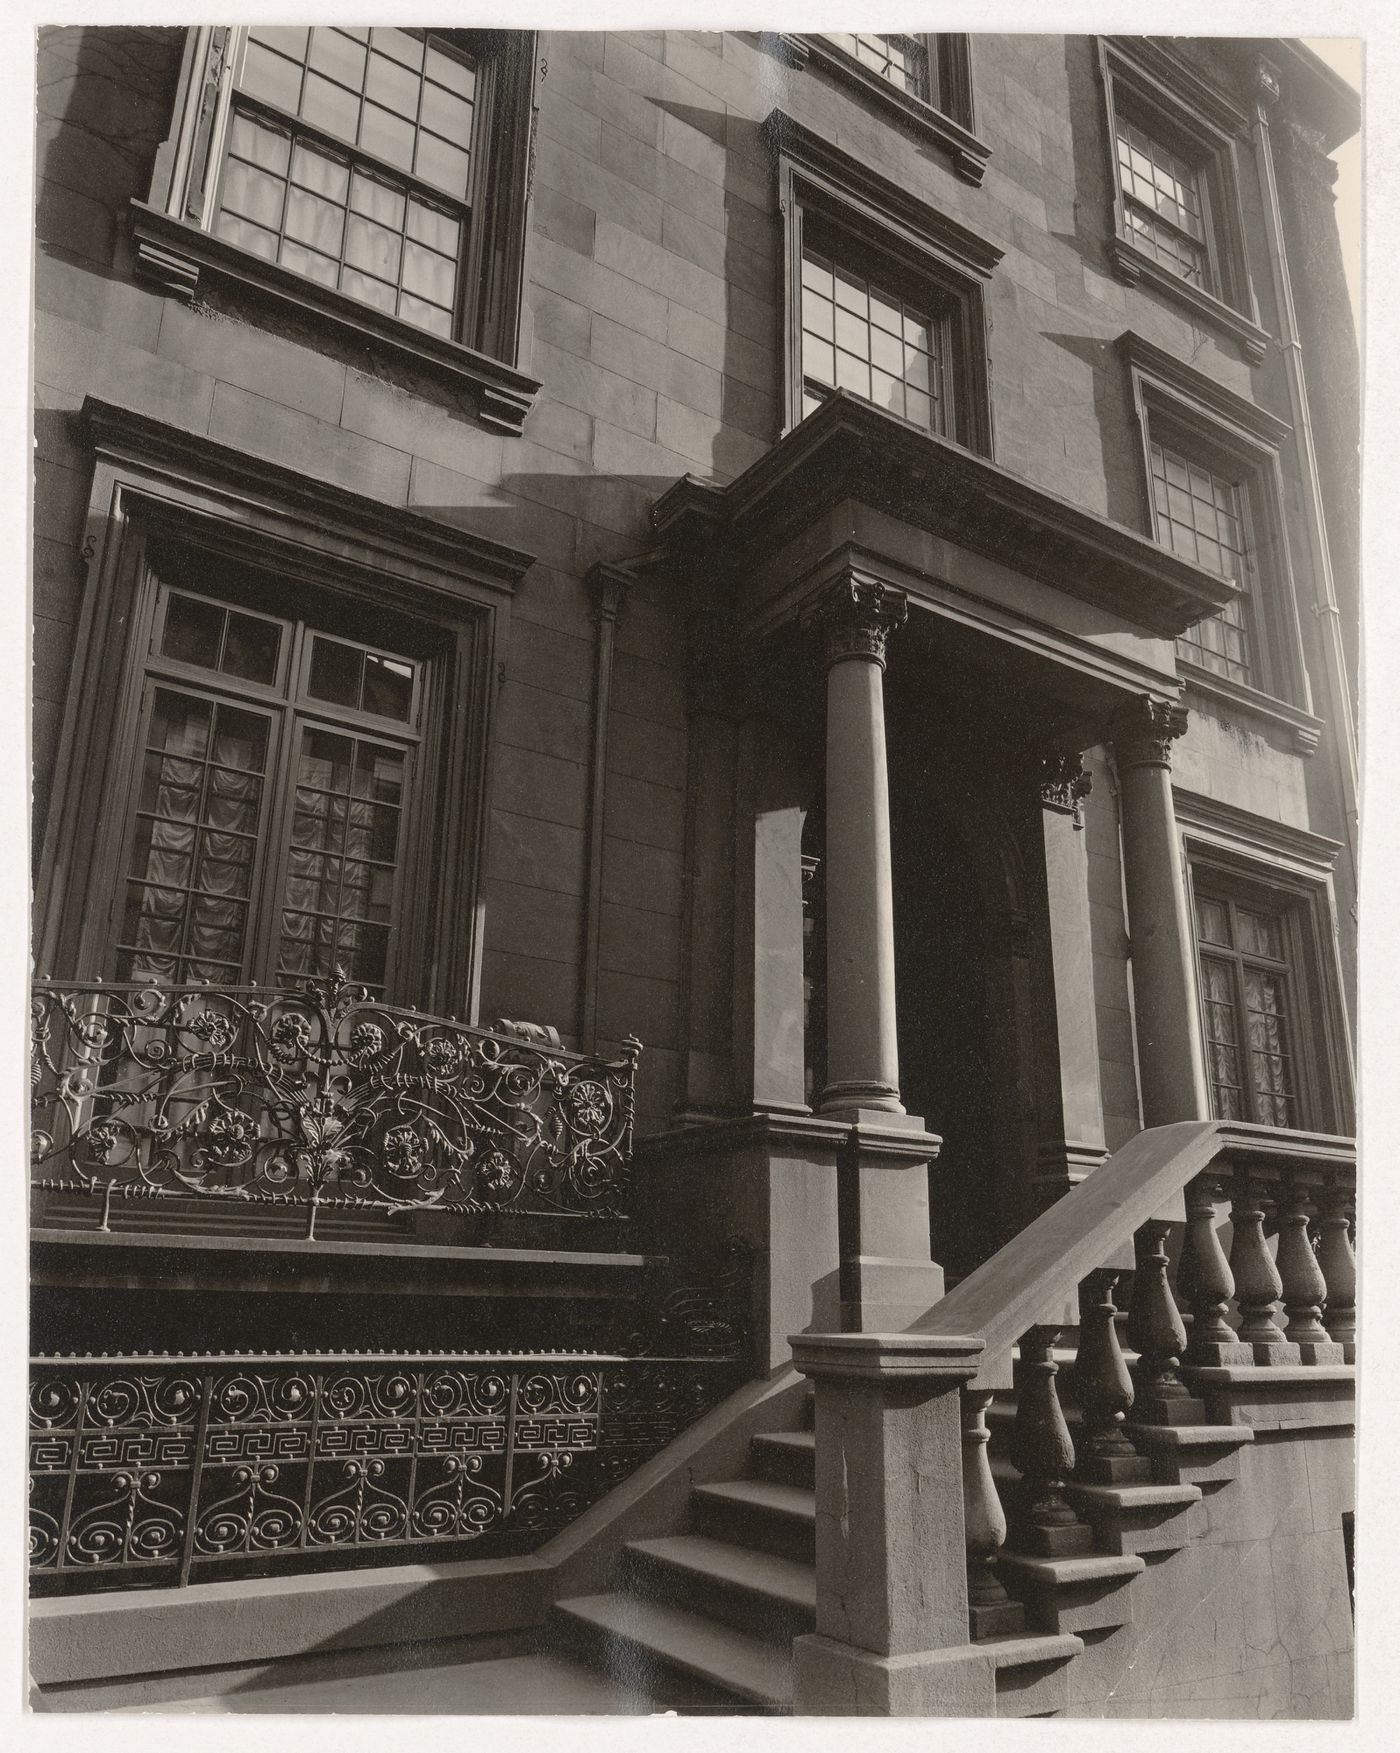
1206, 1278
1157, 1334
1304, 1287
1257, 1282
990, 1609
1338, 1263
1043, 1454
1104, 1389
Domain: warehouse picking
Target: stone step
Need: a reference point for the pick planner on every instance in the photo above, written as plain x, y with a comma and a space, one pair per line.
1192, 1454
1032, 1671
787, 1457
1139, 1518
774, 1517
773, 1598
1072, 1594
630, 1634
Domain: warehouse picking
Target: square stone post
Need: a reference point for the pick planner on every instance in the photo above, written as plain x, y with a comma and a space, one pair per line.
892, 1608
1075, 1101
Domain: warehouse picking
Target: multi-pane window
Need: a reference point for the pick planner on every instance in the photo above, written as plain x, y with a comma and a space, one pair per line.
1163, 204
270, 814
349, 161
1248, 1008
902, 60
859, 335
1202, 516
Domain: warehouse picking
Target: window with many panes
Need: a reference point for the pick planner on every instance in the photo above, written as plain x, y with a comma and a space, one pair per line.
1203, 515
349, 161
1164, 203
905, 61
861, 333
272, 802
1249, 1008
933, 69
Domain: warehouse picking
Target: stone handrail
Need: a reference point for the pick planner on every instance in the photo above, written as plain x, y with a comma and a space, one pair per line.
1039, 1270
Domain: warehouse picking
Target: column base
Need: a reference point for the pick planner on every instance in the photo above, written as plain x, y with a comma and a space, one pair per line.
838, 1679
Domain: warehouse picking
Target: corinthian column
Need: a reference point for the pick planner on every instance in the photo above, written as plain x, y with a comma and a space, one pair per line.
1171, 1069
862, 1048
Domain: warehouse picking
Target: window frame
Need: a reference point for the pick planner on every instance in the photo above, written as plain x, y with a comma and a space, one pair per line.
1236, 437
291, 710
452, 587
947, 122
924, 247
177, 249
1287, 871
1148, 86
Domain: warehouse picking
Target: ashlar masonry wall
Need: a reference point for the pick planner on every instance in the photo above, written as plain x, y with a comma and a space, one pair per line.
654, 323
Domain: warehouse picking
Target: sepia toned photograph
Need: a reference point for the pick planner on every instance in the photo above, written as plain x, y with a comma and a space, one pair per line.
695, 770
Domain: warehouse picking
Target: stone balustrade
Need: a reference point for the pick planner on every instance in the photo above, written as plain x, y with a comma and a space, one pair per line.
1292, 1251
1199, 1317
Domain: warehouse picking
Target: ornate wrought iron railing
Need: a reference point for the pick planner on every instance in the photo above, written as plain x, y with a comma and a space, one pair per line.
161, 1471
319, 1097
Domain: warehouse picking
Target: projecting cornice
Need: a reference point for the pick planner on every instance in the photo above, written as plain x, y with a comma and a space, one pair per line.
850, 450
1161, 367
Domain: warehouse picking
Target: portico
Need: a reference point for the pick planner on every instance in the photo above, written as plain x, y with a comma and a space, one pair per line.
860, 559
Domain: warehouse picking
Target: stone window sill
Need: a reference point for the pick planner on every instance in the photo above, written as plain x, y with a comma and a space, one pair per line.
176, 256
968, 153
1133, 265
1301, 726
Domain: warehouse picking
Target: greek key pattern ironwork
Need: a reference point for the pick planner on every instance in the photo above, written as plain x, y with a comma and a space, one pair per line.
319, 1097
152, 1471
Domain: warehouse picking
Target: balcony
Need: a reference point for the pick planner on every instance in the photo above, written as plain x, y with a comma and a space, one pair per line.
285, 1108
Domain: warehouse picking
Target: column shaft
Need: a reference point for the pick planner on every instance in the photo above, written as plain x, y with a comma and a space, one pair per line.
1170, 1066
862, 1043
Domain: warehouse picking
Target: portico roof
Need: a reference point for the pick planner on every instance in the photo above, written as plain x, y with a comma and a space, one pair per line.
850, 450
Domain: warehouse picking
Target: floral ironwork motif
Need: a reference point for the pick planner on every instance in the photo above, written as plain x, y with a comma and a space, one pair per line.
319, 1096
158, 1470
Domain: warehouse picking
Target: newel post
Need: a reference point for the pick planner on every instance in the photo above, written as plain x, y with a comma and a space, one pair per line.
891, 1634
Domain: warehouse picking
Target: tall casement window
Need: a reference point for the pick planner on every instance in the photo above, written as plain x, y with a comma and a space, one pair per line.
883, 293
272, 802
1249, 1009
273, 762
349, 160
376, 176
1203, 516
1177, 218
861, 333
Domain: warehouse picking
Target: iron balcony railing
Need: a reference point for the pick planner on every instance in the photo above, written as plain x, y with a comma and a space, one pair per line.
319, 1097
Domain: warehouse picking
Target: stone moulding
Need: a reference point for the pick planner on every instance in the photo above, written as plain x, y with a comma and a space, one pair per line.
176, 256
968, 153
848, 449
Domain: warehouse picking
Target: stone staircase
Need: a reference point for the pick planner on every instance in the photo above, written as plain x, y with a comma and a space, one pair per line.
704, 1620
719, 1605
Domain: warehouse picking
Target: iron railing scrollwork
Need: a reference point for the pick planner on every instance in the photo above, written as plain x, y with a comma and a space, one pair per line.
161, 1471
319, 1097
